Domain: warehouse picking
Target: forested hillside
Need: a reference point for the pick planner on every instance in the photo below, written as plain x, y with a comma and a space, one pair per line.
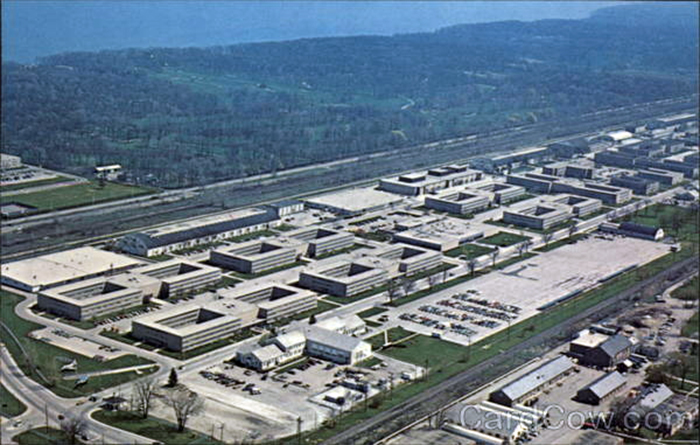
177, 117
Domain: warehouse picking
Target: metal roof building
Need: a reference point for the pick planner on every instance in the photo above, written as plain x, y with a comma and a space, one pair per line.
601, 388
532, 382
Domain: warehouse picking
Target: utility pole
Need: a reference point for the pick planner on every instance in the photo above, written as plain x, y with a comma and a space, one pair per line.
299, 421
46, 414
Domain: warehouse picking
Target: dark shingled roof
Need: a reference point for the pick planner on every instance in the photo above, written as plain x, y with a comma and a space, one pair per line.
167, 239
639, 228
615, 344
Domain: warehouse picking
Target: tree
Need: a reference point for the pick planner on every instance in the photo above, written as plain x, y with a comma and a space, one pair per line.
172, 378
393, 290
407, 285
522, 248
573, 228
547, 237
185, 404
472, 266
72, 427
494, 255
144, 390
680, 364
312, 319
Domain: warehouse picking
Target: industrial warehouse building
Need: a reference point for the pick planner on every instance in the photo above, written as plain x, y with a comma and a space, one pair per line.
539, 216
664, 177
634, 230
343, 278
181, 277
489, 423
254, 256
531, 383
441, 235
274, 300
200, 231
431, 181
551, 211
458, 202
601, 389
354, 201
321, 241
541, 183
501, 193
64, 267
637, 184
600, 351
286, 207
89, 299
410, 259
183, 328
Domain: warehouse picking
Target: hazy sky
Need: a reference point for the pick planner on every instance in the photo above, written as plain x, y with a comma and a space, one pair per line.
36, 28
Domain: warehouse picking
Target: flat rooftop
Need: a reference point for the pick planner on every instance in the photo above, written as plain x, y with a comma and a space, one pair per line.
186, 319
355, 200
61, 267
88, 292
173, 268
201, 222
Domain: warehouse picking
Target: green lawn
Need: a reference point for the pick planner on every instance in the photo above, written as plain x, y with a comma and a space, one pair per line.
427, 351
395, 334
692, 326
689, 291
252, 235
160, 257
371, 312
504, 239
561, 242
250, 276
153, 428
469, 251
285, 227
43, 436
659, 215
513, 260
78, 195
48, 358
37, 183
368, 363
9, 405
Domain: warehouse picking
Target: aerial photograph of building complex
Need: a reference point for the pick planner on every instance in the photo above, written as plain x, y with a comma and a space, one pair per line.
390, 223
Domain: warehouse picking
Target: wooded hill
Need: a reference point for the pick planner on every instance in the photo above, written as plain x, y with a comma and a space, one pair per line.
176, 117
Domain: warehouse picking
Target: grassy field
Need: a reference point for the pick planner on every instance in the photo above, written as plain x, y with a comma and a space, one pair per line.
691, 327
341, 251
561, 242
689, 291
251, 236
9, 405
44, 436
78, 195
153, 428
504, 239
395, 334
371, 312
37, 183
250, 276
48, 358
469, 251
428, 352
685, 227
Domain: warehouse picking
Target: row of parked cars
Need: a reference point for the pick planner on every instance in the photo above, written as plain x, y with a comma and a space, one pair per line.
127, 315
478, 310
437, 324
230, 382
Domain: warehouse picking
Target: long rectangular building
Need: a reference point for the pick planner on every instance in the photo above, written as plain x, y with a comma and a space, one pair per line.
89, 299
254, 256
321, 240
433, 180
343, 278
183, 328
201, 231
180, 277
458, 202
532, 382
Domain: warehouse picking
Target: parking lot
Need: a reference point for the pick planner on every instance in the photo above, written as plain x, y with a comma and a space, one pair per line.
79, 345
486, 304
250, 400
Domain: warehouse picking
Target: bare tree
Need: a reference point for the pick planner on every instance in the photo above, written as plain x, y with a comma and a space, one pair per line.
185, 404
73, 427
472, 265
522, 248
494, 255
573, 228
144, 390
547, 237
393, 290
408, 285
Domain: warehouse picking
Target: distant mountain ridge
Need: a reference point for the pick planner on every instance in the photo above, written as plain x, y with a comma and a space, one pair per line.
182, 116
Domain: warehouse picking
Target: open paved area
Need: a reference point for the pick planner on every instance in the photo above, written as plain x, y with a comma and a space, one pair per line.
533, 282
